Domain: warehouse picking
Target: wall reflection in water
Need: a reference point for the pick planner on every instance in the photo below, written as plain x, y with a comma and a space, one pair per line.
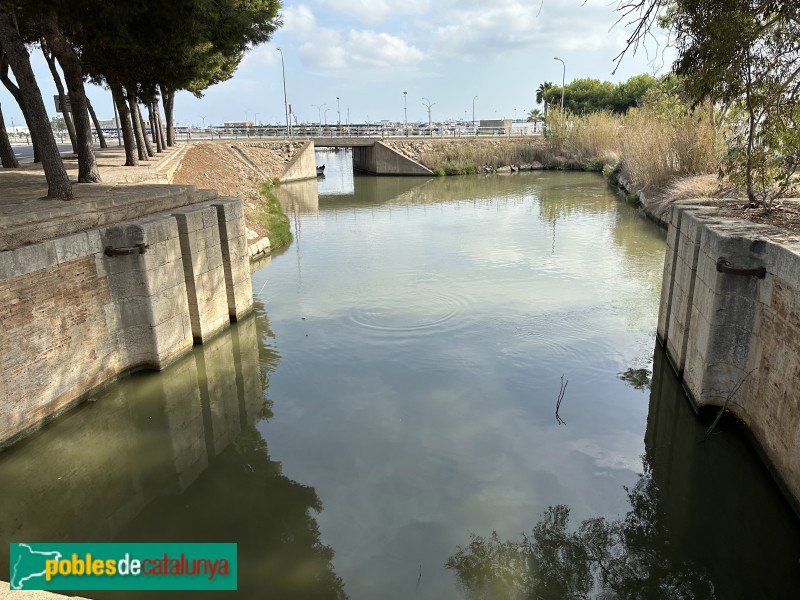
175, 456
691, 530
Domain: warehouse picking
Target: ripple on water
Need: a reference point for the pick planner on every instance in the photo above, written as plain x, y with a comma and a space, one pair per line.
414, 314
559, 338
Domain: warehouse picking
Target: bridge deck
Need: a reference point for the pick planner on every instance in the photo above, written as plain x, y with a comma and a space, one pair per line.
343, 142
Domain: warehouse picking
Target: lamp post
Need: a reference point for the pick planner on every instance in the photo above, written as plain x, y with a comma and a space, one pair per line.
285, 101
405, 112
319, 115
338, 115
473, 116
326, 115
427, 103
563, 76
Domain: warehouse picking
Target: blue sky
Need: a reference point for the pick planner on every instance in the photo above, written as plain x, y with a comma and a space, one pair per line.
368, 52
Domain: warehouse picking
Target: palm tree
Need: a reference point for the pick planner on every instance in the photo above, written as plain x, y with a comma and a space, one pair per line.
541, 92
534, 116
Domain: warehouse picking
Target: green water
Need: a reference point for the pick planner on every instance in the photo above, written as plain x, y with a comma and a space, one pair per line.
392, 403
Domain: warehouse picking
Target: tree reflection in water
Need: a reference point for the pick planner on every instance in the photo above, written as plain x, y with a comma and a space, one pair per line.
625, 558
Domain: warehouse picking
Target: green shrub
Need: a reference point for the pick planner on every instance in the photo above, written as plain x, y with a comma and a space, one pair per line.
274, 220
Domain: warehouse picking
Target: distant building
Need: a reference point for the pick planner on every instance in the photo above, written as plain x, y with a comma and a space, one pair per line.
237, 124
499, 125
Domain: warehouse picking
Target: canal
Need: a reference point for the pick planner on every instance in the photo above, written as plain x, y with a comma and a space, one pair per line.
450, 389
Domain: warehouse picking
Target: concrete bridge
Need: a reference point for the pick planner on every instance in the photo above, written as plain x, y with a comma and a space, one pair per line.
372, 156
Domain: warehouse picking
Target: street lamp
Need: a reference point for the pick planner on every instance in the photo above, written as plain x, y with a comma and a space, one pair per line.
427, 103
339, 114
285, 101
319, 115
405, 111
473, 116
563, 76
326, 115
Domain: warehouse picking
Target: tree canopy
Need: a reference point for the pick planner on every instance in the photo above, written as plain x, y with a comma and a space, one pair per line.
592, 95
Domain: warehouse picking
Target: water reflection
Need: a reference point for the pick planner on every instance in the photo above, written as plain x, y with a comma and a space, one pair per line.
690, 530
175, 456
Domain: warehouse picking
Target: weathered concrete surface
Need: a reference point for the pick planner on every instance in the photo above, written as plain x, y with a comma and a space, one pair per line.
198, 227
74, 317
736, 338
380, 159
235, 256
26, 218
303, 165
7, 594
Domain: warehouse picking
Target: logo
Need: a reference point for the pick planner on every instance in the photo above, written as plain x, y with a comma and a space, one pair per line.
123, 566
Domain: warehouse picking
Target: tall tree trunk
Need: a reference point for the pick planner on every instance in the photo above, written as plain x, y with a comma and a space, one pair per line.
154, 126
7, 157
160, 126
58, 183
73, 75
168, 98
148, 146
97, 128
125, 124
137, 125
62, 96
17, 94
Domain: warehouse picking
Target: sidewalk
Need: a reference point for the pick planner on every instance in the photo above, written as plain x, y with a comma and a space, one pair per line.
126, 193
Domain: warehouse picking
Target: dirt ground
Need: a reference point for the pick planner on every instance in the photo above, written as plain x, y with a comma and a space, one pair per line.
214, 165
783, 213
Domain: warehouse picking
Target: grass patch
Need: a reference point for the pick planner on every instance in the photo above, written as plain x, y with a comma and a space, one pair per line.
473, 156
274, 220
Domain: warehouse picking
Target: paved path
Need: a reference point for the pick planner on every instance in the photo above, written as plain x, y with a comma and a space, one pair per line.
126, 193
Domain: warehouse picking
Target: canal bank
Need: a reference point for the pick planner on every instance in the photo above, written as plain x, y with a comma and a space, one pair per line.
127, 276
729, 318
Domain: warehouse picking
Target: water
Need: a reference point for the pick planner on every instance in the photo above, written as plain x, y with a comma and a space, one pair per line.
396, 392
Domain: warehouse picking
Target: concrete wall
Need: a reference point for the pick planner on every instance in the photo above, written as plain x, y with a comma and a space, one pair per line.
380, 159
302, 166
736, 337
74, 317
188, 419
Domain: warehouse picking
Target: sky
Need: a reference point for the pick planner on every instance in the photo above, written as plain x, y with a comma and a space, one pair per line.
367, 53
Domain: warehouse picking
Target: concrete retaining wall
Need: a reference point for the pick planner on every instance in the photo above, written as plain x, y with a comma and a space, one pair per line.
302, 166
380, 159
735, 337
74, 317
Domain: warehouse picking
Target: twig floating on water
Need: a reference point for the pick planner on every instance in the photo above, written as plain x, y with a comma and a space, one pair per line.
559, 399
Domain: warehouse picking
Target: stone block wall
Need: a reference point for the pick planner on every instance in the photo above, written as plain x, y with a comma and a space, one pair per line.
79, 310
734, 337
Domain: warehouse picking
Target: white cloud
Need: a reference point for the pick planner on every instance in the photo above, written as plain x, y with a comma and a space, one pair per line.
376, 11
298, 19
325, 48
380, 49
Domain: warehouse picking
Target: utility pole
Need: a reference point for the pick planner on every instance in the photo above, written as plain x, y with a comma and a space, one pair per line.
285, 101
427, 103
563, 78
473, 116
405, 110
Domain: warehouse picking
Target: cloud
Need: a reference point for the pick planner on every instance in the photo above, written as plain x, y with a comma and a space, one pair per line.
325, 48
381, 49
376, 11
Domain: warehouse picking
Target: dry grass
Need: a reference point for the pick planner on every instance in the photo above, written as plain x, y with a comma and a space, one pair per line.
690, 187
473, 156
657, 150
594, 139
